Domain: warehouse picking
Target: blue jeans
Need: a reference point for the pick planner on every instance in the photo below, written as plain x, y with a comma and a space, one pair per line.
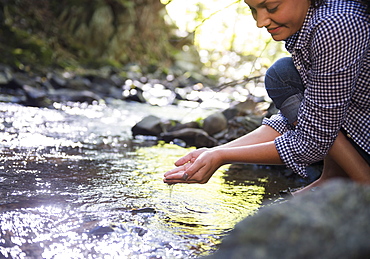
284, 86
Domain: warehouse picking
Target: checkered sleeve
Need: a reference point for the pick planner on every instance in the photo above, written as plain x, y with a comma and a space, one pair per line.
278, 122
337, 48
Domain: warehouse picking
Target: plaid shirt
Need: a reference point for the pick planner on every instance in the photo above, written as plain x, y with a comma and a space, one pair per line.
332, 55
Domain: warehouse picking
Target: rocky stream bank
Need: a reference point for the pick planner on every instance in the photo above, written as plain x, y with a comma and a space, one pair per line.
107, 84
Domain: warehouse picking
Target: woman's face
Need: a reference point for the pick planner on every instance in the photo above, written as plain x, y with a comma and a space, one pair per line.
282, 18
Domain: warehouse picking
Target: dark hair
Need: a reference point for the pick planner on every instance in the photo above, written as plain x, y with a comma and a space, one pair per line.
317, 3
367, 3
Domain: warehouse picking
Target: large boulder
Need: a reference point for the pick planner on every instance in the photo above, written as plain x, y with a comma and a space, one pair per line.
332, 222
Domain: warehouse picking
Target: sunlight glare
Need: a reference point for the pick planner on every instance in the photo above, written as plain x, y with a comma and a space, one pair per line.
227, 29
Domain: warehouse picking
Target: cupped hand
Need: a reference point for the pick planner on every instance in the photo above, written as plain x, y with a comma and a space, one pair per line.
199, 168
190, 157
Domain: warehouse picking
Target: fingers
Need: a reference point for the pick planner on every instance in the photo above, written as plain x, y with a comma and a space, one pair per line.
177, 170
191, 157
191, 168
184, 160
177, 175
189, 173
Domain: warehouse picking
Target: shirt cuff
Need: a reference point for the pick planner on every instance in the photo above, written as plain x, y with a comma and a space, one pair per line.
285, 152
278, 122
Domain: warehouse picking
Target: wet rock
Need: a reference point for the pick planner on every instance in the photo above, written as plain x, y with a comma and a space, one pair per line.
57, 81
115, 93
247, 107
36, 97
135, 94
214, 123
249, 123
116, 80
237, 127
21, 79
179, 126
143, 210
230, 113
104, 85
78, 83
331, 222
100, 231
217, 129
5, 75
140, 231
149, 126
192, 137
68, 95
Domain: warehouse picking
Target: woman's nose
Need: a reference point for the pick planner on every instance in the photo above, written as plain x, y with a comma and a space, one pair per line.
262, 19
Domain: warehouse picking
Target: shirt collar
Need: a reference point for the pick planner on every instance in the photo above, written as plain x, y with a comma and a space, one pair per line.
297, 40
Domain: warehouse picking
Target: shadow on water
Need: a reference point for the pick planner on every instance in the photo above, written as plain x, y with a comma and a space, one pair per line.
75, 185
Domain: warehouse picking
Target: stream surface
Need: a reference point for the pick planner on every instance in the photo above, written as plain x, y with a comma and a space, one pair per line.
74, 184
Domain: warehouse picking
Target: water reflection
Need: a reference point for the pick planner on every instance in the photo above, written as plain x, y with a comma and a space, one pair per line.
196, 212
74, 185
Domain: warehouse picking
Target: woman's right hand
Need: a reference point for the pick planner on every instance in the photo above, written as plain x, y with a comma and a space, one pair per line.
196, 167
190, 157
178, 174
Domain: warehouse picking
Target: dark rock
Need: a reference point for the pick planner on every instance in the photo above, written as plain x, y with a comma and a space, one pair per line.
36, 97
117, 80
331, 222
237, 127
101, 231
140, 231
230, 113
215, 123
68, 95
103, 85
249, 123
57, 81
135, 94
5, 75
78, 83
193, 137
115, 93
148, 126
48, 86
246, 107
143, 210
21, 79
179, 126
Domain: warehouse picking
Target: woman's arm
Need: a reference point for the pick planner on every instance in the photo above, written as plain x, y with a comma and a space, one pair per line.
198, 166
262, 134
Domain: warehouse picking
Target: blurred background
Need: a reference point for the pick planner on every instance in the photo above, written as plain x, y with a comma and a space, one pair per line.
217, 36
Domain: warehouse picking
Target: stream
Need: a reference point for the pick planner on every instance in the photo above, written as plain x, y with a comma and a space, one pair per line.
74, 184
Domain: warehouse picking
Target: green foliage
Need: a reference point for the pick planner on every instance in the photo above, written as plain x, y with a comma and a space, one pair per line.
91, 33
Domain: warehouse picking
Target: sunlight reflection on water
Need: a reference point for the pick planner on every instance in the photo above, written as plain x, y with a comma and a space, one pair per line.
75, 185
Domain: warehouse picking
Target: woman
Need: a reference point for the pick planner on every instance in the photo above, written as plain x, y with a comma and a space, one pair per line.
322, 91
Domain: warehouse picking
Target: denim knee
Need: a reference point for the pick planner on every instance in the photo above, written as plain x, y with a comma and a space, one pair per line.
284, 86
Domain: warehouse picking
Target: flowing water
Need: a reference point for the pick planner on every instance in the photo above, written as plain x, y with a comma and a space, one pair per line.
74, 184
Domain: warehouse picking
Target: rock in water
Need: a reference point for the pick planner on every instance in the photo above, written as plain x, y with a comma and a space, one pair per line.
331, 222
193, 137
215, 123
150, 125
